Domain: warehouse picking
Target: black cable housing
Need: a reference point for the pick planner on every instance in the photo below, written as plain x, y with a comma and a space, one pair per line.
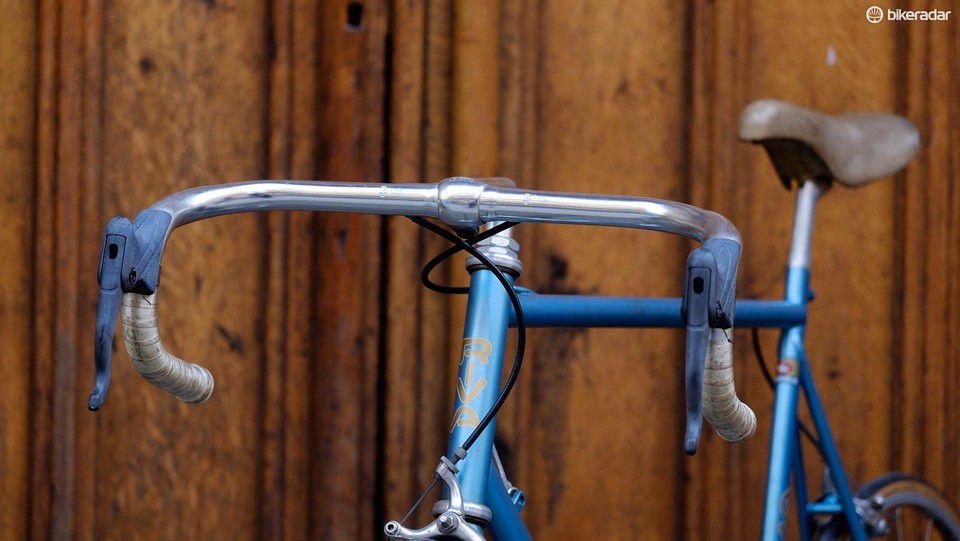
467, 246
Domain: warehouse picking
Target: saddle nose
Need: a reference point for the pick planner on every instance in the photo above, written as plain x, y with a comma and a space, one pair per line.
852, 149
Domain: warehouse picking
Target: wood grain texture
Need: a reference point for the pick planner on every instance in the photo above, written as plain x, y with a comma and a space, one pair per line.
18, 87
406, 442
347, 292
605, 402
184, 84
289, 319
333, 365
927, 348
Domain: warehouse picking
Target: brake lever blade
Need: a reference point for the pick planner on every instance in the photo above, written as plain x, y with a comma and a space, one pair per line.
107, 312
698, 300
115, 239
697, 342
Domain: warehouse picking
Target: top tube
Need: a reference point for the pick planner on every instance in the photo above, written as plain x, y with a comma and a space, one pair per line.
460, 202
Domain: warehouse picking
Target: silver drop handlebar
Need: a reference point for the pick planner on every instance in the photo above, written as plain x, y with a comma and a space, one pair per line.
130, 260
460, 202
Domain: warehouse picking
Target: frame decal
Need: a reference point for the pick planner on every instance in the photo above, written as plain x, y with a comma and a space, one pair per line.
789, 368
475, 350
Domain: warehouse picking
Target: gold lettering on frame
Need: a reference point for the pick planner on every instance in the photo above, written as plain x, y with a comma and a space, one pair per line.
465, 416
467, 391
475, 350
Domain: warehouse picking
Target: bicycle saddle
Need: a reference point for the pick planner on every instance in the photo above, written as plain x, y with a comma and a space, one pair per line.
852, 149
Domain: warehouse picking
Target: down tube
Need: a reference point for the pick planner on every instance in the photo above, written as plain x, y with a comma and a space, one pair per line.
478, 382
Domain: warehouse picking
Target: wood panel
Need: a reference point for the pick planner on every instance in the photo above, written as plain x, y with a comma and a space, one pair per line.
67, 166
348, 277
123, 105
18, 64
163, 132
334, 367
925, 435
606, 402
289, 322
415, 381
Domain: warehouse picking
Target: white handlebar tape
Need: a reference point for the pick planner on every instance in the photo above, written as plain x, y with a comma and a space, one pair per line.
186, 381
731, 418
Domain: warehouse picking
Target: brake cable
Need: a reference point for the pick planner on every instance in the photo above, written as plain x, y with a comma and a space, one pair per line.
460, 244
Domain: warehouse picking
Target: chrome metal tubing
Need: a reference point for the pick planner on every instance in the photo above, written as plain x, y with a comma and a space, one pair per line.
800, 244
460, 202
209, 201
606, 210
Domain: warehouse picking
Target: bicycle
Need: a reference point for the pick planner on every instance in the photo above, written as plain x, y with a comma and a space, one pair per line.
478, 496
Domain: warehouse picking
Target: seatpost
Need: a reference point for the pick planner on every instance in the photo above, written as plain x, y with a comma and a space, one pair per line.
810, 191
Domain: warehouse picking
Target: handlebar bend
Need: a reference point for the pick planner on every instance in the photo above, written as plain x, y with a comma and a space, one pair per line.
129, 270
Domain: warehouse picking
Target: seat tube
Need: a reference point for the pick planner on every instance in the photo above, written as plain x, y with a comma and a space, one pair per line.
481, 363
783, 439
784, 442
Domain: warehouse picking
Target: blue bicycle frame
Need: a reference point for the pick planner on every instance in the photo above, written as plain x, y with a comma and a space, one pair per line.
130, 264
489, 314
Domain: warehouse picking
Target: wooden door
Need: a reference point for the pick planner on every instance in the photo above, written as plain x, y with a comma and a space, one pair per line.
334, 368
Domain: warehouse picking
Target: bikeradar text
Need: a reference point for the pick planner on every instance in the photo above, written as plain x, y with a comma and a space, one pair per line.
917, 15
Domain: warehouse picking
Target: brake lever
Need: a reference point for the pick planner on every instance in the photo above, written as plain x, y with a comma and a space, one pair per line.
695, 309
129, 262
709, 301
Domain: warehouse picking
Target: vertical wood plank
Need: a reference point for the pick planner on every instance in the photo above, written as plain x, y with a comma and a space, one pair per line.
347, 294
185, 84
517, 126
475, 88
605, 402
288, 317
302, 154
66, 227
422, 329
926, 388
88, 77
42, 422
67, 168
68, 122
440, 332
403, 449
18, 98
